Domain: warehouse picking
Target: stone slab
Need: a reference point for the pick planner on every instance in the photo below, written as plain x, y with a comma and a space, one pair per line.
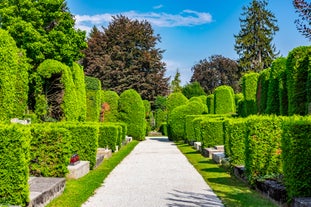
302, 202
218, 156
220, 148
99, 160
197, 145
79, 170
106, 152
44, 189
209, 152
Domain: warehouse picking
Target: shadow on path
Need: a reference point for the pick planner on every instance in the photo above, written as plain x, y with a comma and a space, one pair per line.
160, 139
186, 199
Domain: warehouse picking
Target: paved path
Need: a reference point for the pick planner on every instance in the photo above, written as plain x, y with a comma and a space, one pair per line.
154, 174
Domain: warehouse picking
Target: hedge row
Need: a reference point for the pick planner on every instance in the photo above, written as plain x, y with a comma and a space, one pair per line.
93, 99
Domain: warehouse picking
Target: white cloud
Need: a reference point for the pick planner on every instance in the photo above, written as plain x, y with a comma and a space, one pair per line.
158, 6
185, 18
171, 68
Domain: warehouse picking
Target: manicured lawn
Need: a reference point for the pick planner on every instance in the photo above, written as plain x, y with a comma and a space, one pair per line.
229, 189
78, 191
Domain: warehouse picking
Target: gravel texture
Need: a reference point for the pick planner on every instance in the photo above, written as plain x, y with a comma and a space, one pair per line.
154, 174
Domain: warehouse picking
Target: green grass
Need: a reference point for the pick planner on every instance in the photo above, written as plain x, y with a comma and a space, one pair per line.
78, 191
232, 192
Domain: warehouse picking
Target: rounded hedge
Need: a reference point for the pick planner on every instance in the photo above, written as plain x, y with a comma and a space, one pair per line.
210, 104
224, 100
132, 112
112, 99
249, 88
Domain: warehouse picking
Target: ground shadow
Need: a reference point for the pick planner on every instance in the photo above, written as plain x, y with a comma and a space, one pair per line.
160, 139
179, 198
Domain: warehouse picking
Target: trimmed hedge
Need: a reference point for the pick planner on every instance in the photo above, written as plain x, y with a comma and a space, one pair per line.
235, 135
93, 99
283, 95
84, 140
296, 153
112, 99
177, 119
249, 88
273, 99
160, 117
297, 68
108, 136
210, 104
132, 112
262, 90
190, 128
224, 100
50, 150
263, 147
14, 159
163, 128
212, 132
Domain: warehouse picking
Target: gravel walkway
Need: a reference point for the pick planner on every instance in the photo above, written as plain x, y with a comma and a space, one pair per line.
154, 174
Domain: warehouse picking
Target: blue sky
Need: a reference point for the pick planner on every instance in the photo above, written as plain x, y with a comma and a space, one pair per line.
190, 30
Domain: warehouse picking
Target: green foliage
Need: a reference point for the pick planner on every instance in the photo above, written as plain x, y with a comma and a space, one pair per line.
263, 147
160, 102
254, 41
50, 150
224, 100
112, 99
108, 136
132, 112
13, 79
297, 69
175, 84
235, 135
163, 128
212, 131
56, 84
14, 159
201, 99
283, 94
174, 100
210, 103
79, 82
193, 90
190, 128
274, 100
177, 119
160, 117
262, 90
84, 140
296, 145
93, 99
249, 88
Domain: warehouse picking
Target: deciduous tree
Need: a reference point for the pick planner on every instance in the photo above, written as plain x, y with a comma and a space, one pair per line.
303, 8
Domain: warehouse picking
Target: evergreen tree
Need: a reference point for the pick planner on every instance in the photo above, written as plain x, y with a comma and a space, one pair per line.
254, 42
193, 90
124, 56
304, 23
175, 84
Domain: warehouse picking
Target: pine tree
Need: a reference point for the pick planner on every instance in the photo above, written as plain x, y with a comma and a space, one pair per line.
124, 56
304, 23
254, 42
175, 84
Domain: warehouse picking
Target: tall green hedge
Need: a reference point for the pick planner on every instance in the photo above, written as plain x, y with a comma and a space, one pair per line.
201, 99
190, 128
262, 90
283, 95
263, 147
160, 117
108, 136
297, 69
132, 112
210, 104
212, 131
13, 79
296, 153
273, 99
93, 99
249, 88
235, 135
50, 150
174, 100
84, 140
112, 99
14, 159
177, 119
79, 82
148, 113
224, 100
69, 105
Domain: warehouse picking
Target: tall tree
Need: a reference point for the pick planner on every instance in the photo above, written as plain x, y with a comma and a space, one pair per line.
124, 56
304, 23
175, 84
45, 29
254, 42
216, 71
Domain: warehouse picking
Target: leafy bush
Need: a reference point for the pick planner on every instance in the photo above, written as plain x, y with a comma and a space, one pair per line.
193, 90
132, 112
201, 99
273, 99
163, 128
296, 145
297, 68
50, 150
262, 90
212, 131
148, 112
93, 99
224, 100
210, 104
160, 117
249, 88
263, 147
108, 136
112, 99
190, 127
235, 135
177, 120
283, 95
174, 100
14, 159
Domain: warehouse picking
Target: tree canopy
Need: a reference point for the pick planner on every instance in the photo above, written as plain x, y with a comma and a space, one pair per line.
304, 23
254, 41
124, 56
216, 71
